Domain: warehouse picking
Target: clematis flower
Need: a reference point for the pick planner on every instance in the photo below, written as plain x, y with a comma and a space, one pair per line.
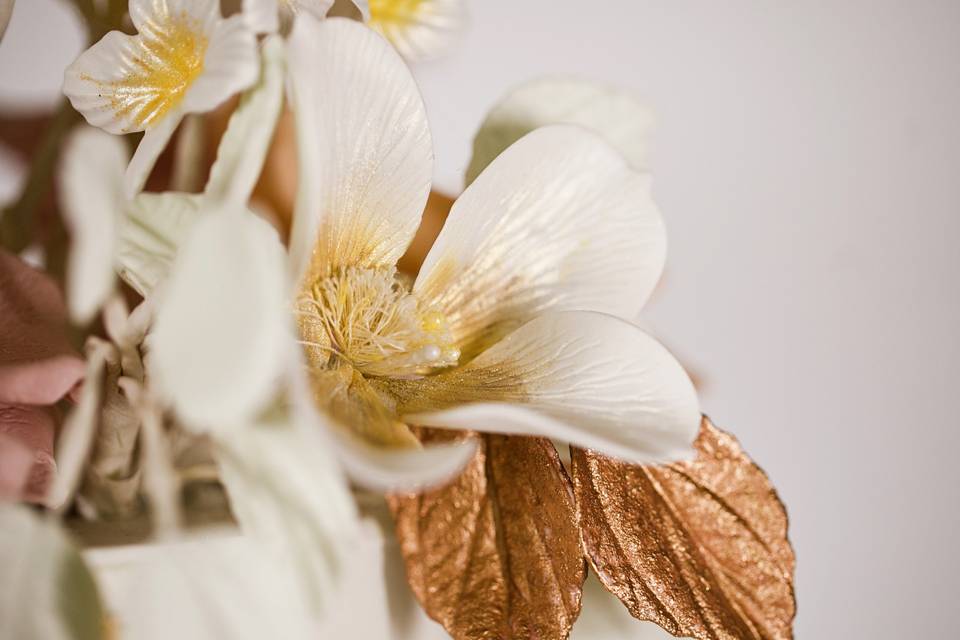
6, 11
514, 323
185, 58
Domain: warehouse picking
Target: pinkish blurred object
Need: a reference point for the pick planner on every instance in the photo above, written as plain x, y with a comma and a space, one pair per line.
38, 367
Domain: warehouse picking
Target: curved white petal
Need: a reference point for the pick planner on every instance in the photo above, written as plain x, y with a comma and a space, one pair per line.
615, 115
288, 493
419, 30
558, 221
91, 196
243, 148
388, 470
151, 232
586, 378
365, 153
218, 344
231, 64
152, 144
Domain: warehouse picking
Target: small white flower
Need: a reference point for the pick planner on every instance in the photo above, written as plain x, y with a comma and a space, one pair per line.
185, 58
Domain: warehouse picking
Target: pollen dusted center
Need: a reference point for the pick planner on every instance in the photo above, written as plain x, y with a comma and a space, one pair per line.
369, 319
169, 59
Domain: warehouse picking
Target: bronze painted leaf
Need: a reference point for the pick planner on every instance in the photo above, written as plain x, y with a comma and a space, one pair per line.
496, 553
698, 547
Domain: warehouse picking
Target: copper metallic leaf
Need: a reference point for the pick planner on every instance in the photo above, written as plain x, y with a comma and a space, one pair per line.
496, 553
698, 547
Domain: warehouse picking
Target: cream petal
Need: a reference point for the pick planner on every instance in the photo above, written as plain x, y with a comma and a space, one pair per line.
366, 159
79, 429
231, 64
387, 470
152, 229
216, 585
290, 496
613, 114
152, 144
145, 12
218, 344
243, 148
419, 30
556, 222
91, 193
262, 16
585, 378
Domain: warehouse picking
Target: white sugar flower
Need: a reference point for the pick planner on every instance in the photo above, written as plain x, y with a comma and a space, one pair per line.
185, 58
514, 322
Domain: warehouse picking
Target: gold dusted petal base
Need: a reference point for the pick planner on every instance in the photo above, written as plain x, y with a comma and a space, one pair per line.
496, 553
698, 547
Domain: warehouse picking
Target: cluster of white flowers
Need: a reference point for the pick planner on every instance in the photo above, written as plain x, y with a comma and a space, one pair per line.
304, 359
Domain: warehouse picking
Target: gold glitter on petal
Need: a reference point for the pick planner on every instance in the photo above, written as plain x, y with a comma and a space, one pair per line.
169, 58
496, 553
698, 547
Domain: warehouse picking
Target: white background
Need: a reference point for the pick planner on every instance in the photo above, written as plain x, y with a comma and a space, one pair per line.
806, 162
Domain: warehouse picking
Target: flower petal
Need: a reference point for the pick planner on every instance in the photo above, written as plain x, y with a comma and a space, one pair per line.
91, 193
397, 470
558, 221
220, 331
154, 226
366, 159
615, 115
145, 12
420, 30
46, 590
243, 148
231, 64
586, 378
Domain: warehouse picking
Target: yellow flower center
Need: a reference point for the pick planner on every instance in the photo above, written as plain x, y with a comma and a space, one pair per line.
370, 320
170, 57
399, 12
